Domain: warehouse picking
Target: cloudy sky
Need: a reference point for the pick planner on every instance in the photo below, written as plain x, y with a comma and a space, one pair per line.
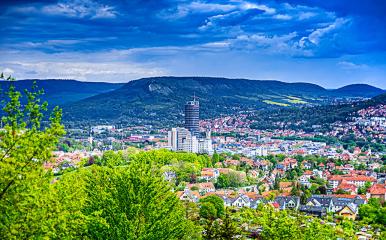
328, 42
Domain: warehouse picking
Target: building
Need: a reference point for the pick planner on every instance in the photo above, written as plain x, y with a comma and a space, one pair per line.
335, 180
187, 139
181, 139
349, 211
289, 202
188, 195
204, 145
335, 203
377, 191
192, 116
173, 139
318, 211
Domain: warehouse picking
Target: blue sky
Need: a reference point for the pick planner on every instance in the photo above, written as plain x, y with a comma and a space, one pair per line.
328, 42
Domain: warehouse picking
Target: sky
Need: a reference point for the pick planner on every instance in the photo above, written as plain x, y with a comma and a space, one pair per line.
328, 42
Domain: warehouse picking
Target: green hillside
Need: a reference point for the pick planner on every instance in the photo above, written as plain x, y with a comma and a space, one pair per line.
161, 99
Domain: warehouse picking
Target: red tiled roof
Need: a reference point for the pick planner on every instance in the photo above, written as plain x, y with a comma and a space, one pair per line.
351, 178
377, 189
347, 196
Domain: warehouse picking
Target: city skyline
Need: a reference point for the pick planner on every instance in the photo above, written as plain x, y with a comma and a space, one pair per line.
329, 43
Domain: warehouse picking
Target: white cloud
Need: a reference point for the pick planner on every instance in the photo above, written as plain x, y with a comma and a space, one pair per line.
8, 71
261, 44
112, 66
185, 9
306, 15
346, 65
265, 8
283, 17
314, 38
80, 9
209, 7
316, 35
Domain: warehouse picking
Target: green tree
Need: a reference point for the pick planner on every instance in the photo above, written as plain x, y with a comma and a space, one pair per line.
111, 159
208, 211
222, 181
373, 212
217, 202
363, 190
229, 229
215, 158
132, 202
27, 140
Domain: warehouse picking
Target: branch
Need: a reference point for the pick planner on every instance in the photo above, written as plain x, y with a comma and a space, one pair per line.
13, 180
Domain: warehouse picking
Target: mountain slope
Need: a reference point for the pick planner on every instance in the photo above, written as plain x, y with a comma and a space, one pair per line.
364, 90
60, 92
162, 98
320, 115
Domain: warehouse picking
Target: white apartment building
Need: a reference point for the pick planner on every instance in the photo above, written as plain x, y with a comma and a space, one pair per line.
181, 139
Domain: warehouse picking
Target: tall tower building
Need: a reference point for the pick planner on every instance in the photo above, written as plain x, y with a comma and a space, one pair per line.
192, 116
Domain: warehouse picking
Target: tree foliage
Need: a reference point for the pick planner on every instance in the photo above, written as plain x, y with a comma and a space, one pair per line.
27, 140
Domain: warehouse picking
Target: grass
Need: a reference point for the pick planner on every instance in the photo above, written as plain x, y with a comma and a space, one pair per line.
296, 101
276, 103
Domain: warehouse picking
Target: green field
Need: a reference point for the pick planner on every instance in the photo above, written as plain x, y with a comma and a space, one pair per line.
276, 103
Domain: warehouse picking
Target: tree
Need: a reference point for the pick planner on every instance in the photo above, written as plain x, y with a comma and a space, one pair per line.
211, 230
228, 228
373, 212
215, 158
27, 140
208, 211
112, 159
363, 190
222, 181
132, 202
217, 202
306, 194
295, 190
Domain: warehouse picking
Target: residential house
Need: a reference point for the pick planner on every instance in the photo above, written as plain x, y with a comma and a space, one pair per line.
305, 179
286, 186
288, 202
263, 165
349, 211
231, 162
203, 188
377, 191
169, 175
209, 174
346, 187
358, 181
188, 195
318, 211
287, 164
306, 165
321, 201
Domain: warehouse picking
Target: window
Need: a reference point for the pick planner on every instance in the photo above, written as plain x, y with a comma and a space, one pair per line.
291, 204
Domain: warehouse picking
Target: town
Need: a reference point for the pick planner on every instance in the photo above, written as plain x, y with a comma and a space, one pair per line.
252, 167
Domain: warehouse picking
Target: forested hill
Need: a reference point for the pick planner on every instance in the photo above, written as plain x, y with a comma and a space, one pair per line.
359, 90
63, 91
162, 99
320, 115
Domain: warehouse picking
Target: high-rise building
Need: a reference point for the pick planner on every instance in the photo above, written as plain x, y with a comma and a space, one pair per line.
187, 139
192, 116
173, 139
